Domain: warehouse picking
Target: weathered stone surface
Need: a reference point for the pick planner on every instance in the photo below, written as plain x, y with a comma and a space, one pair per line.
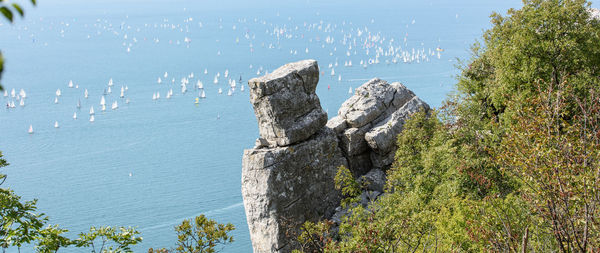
285, 186
286, 106
374, 180
382, 137
359, 164
353, 140
337, 124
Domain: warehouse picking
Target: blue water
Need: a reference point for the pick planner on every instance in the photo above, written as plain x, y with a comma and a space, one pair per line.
185, 159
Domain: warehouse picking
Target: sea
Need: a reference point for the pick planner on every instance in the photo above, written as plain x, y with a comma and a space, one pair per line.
154, 161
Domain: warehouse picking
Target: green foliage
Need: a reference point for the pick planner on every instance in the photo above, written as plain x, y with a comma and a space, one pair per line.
19, 224
345, 182
111, 239
315, 236
50, 239
202, 235
510, 162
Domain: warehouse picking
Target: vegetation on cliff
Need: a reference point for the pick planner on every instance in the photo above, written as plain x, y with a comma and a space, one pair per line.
510, 163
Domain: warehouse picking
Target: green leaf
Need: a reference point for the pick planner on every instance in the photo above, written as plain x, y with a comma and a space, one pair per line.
34, 2
19, 9
7, 13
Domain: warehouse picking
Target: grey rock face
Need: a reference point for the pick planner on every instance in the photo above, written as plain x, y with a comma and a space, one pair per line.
369, 121
285, 103
285, 186
288, 177
374, 180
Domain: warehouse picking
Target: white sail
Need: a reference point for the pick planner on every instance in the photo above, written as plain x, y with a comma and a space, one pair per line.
205, 71
200, 85
102, 101
220, 91
203, 95
115, 105
154, 96
92, 118
75, 115
242, 88
157, 95
78, 104
70, 83
5, 93
30, 129
216, 81
110, 82
103, 107
55, 124
350, 90
166, 75
122, 92
22, 93
229, 93
109, 90
85, 93
183, 88
332, 72
92, 110
22, 103
58, 93
56, 100
226, 73
159, 80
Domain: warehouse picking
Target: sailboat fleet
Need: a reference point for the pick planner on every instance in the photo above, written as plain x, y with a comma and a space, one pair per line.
348, 45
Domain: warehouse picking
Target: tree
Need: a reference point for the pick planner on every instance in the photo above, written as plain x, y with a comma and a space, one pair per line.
202, 235
111, 239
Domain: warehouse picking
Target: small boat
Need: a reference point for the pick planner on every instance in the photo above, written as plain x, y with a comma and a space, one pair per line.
70, 83
78, 104
110, 82
56, 100
58, 93
6, 93
183, 89
197, 101
200, 85
92, 110
23, 94
127, 101
159, 80
30, 131
103, 107
205, 71
102, 101
122, 92
55, 124
216, 80
339, 78
166, 75
154, 96
350, 90
85, 93
22, 103
220, 91
229, 93
92, 118
109, 90
75, 115
115, 105
157, 95
242, 88
332, 72
203, 95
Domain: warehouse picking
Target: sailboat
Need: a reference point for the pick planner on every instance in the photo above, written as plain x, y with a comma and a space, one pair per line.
122, 92
154, 96
166, 74
103, 107
58, 93
85, 93
55, 124
220, 91
22, 93
110, 83
216, 81
6, 93
200, 85
92, 118
157, 95
229, 93
115, 105
159, 80
350, 90
92, 110
30, 129
56, 100
78, 104
205, 71
127, 101
75, 115
332, 72
203, 95
102, 101
109, 90
183, 88
70, 83
22, 103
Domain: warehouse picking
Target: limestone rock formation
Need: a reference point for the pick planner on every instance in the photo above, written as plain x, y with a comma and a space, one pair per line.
368, 123
288, 177
285, 103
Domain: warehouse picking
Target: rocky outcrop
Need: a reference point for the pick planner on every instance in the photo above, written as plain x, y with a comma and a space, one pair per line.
287, 178
368, 123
